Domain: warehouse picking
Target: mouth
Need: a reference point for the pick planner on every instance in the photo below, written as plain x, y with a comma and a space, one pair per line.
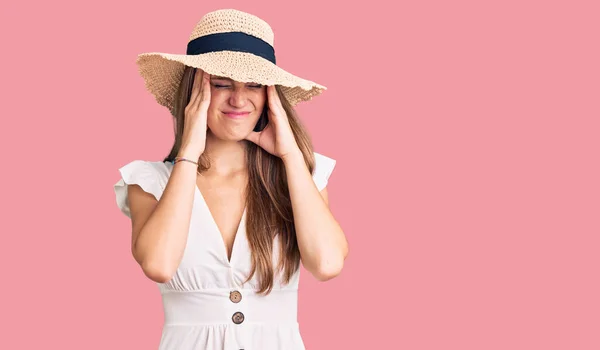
236, 115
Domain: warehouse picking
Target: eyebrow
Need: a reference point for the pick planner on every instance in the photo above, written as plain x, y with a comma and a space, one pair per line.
229, 79
221, 78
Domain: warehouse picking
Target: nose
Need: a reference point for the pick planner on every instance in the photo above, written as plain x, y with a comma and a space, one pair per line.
238, 97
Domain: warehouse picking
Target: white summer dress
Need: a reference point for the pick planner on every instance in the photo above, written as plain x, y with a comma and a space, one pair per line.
205, 304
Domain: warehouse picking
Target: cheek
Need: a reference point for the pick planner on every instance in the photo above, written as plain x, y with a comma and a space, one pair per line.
262, 97
260, 106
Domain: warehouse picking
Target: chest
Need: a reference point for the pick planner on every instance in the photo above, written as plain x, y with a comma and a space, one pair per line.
215, 256
224, 200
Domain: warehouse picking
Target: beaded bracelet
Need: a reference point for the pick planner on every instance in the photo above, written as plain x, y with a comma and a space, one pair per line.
181, 159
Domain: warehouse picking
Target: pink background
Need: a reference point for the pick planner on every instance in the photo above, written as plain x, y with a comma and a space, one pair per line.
466, 135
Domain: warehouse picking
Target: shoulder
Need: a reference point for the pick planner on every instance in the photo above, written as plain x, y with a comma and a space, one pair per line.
323, 169
151, 176
147, 167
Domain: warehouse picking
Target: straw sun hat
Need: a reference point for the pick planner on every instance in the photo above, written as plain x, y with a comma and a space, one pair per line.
228, 43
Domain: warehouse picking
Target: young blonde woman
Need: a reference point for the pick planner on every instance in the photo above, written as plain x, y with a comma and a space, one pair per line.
224, 222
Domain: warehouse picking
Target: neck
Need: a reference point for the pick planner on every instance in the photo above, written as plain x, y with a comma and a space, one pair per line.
226, 157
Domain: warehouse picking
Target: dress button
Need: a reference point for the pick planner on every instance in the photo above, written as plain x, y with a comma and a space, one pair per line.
235, 296
238, 317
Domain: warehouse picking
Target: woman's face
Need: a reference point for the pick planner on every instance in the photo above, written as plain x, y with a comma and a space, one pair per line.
235, 107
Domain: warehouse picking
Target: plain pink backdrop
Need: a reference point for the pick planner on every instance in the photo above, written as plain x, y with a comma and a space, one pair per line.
467, 181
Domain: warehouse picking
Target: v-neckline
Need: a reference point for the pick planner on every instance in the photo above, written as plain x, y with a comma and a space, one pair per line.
228, 260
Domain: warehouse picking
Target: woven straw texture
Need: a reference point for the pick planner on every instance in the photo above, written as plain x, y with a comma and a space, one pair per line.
162, 72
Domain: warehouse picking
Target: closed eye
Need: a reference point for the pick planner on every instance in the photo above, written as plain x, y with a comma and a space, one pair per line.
221, 86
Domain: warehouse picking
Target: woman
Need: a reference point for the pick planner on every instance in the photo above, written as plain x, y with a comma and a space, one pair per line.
224, 222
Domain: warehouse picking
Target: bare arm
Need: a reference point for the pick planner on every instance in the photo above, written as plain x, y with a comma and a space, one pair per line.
160, 228
322, 243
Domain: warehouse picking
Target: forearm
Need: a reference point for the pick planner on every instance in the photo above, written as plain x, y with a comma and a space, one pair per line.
162, 240
322, 243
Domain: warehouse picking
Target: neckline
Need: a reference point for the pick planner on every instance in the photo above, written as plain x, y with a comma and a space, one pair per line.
198, 194
228, 260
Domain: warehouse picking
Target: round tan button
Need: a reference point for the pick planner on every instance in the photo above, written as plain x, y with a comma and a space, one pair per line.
238, 317
235, 296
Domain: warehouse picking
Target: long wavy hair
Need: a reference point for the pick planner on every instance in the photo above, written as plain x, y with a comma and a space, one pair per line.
268, 205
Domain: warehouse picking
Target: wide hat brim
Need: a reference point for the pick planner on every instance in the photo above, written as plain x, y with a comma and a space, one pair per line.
162, 73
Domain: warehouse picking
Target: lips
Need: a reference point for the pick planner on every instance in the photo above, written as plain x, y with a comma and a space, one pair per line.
236, 115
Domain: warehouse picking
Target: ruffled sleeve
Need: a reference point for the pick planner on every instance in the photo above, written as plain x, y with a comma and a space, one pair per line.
323, 168
137, 172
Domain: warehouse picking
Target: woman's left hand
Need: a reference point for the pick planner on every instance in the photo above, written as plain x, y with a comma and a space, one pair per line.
277, 137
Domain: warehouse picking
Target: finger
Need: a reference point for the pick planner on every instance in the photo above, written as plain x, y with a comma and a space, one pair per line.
205, 96
206, 86
254, 137
274, 101
200, 88
275, 110
196, 86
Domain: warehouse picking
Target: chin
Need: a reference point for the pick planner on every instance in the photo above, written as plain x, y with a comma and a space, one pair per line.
232, 130
232, 135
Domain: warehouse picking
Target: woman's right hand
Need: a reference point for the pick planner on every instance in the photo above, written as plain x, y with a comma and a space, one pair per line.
193, 140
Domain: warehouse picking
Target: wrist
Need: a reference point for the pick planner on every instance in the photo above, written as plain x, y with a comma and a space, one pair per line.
189, 153
293, 157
